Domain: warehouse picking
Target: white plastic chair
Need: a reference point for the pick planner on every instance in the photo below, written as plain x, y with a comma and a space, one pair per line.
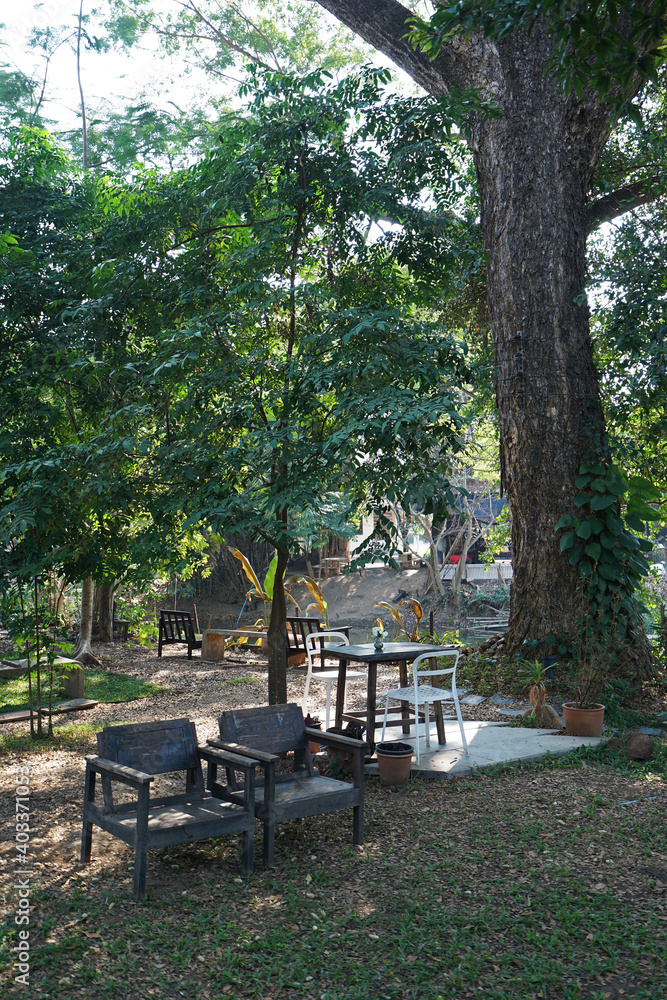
425, 695
314, 648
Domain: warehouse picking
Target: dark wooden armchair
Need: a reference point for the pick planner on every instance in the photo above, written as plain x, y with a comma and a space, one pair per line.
261, 734
131, 755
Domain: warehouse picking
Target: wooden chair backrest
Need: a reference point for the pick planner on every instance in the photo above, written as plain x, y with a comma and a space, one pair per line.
177, 626
271, 728
298, 629
155, 748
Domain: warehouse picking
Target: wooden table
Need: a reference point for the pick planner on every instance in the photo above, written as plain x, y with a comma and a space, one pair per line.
391, 652
333, 564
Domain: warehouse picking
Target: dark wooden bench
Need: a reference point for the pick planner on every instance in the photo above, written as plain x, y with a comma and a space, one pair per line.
262, 734
178, 626
131, 755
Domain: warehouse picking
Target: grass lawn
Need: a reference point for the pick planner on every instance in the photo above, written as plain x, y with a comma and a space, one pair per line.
101, 685
538, 881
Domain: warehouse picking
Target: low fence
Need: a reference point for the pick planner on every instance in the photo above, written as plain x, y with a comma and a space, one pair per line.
496, 572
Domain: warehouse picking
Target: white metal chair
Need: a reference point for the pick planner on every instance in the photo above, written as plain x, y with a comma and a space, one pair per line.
426, 695
314, 643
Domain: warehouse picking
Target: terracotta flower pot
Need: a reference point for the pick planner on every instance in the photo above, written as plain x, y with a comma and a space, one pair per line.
312, 722
394, 762
583, 721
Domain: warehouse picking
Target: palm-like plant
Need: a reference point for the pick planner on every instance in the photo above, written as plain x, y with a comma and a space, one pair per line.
412, 635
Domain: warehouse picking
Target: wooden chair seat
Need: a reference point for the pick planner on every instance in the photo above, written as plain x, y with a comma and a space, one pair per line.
294, 797
131, 756
181, 824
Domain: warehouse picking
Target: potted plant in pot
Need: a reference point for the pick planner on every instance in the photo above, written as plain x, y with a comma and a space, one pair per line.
584, 716
599, 657
394, 762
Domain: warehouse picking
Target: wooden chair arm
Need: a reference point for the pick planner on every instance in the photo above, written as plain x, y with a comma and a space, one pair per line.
335, 740
118, 772
237, 748
226, 759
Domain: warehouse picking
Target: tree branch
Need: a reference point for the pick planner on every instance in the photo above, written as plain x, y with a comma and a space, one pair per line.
624, 200
383, 24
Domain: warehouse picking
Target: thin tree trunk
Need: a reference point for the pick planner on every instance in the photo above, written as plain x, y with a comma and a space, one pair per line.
277, 636
104, 601
83, 651
432, 562
458, 572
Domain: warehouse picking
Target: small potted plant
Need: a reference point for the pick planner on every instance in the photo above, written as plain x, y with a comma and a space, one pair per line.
584, 715
599, 658
378, 633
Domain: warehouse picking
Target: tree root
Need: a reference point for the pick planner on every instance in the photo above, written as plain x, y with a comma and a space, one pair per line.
83, 654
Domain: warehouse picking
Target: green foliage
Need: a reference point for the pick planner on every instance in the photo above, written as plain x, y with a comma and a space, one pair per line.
629, 322
447, 637
611, 561
533, 672
616, 696
487, 675
498, 538
225, 38
603, 45
471, 603
602, 542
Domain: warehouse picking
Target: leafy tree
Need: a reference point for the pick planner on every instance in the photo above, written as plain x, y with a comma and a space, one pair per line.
72, 493
203, 345
294, 356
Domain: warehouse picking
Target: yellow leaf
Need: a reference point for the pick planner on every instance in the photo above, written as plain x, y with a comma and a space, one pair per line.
414, 606
250, 573
392, 611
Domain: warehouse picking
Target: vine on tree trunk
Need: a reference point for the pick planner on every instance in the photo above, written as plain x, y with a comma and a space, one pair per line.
611, 560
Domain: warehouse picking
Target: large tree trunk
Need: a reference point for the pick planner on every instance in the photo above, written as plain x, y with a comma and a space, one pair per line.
534, 165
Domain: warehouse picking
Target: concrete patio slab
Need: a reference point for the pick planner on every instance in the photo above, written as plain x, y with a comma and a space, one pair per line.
488, 743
